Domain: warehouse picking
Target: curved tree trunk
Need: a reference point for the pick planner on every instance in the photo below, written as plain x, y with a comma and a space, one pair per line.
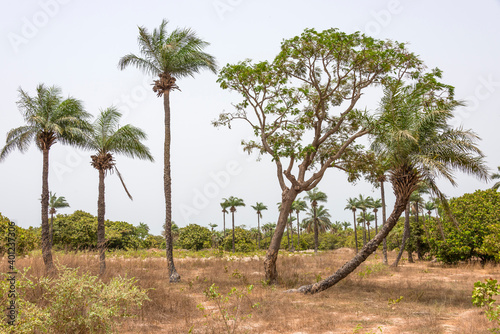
271, 273
355, 231
46, 244
101, 239
382, 194
406, 235
167, 186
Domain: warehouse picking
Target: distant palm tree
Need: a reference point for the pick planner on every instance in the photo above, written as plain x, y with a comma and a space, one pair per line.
376, 204
315, 196
494, 177
106, 139
212, 226
291, 219
55, 203
367, 217
298, 205
352, 204
170, 57
50, 119
268, 229
233, 203
363, 204
318, 218
346, 225
259, 207
224, 207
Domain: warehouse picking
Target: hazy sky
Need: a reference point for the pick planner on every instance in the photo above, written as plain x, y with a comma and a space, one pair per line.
76, 45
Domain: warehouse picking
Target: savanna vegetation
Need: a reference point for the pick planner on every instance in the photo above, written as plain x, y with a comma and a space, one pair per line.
412, 270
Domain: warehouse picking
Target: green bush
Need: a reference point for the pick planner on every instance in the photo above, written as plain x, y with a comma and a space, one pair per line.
194, 237
26, 239
154, 241
71, 303
243, 240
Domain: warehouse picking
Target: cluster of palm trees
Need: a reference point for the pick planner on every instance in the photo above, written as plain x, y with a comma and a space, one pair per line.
50, 119
365, 218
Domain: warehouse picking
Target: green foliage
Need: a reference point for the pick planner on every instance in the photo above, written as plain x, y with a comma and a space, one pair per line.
194, 237
26, 239
478, 218
243, 241
71, 303
228, 306
123, 235
482, 296
154, 241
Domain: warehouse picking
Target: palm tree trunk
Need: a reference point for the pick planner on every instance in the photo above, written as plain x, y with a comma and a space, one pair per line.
291, 231
359, 258
418, 234
364, 229
355, 231
406, 235
258, 229
224, 223
316, 232
101, 239
382, 194
288, 235
376, 225
51, 231
232, 215
167, 186
46, 244
288, 197
298, 232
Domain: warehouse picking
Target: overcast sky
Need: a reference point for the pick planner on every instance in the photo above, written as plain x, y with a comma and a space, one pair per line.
76, 45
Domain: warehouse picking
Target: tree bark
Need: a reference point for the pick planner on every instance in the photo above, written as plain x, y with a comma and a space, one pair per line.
271, 273
355, 231
364, 229
224, 223
46, 244
51, 231
360, 257
167, 186
316, 232
101, 235
406, 235
382, 194
258, 228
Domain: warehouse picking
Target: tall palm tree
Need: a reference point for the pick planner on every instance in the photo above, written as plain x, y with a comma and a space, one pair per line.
318, 218
54, 204
413, 135
106, 139
315, 196
494, 177
224, 207
376, 204
233, 203
363, 204
259, 207
297, 206
169, 57
367, 217
352, 204
268, 229
49, 119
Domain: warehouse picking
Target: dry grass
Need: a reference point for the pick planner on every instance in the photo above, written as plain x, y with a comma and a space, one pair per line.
436, 298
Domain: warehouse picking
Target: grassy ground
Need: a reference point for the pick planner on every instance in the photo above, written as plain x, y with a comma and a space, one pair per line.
422, 297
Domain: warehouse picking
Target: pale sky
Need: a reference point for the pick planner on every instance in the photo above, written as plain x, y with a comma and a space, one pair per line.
76, 45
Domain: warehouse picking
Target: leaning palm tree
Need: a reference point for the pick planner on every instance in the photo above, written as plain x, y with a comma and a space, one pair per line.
259, 207
315, 196
413, 135
49, 119
352, 204
233, 203
496, 176
318, 218
224, 207
169, 57
106, 139
297, 206
54, 204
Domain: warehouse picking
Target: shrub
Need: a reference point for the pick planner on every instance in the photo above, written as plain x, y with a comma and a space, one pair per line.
26, 239
72, 303
194, 237
243, 240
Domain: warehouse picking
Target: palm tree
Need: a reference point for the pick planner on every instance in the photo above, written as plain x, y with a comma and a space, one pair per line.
212, 226
317, 219
375, 204
55, 203
259, 207
106, 139
268, 229
224, 207
494, 177
233, 202
170, 57
352, 204
412, 134
363, 204
49, 119
315, 196
291, 219
298, 205
367, 217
